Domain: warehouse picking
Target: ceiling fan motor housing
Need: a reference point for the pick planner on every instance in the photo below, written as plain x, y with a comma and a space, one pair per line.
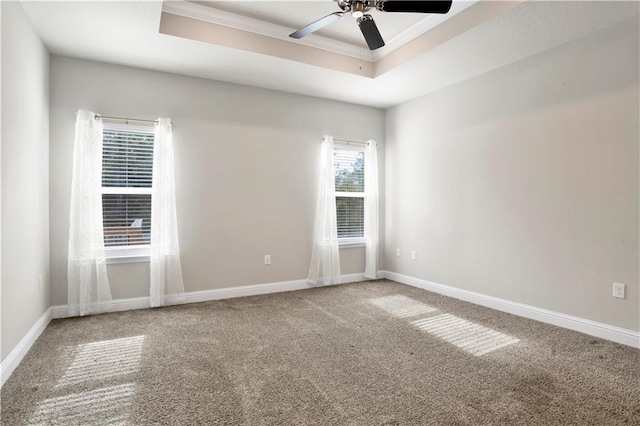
357, 8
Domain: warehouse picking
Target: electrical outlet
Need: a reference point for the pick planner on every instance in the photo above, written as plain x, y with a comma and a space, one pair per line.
40, 282
618, 290
398, 252
414, 255
267, 259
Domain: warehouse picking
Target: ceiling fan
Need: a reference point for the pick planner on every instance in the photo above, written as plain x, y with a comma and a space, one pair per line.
359, 8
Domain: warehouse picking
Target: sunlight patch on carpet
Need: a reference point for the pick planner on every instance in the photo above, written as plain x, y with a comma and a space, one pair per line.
469, 336
402, 306
105, 359
103, 406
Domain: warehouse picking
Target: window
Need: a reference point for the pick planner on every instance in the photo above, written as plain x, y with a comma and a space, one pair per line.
127, 165
348, 163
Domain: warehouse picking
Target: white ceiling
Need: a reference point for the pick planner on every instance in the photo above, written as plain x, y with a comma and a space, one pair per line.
127, 33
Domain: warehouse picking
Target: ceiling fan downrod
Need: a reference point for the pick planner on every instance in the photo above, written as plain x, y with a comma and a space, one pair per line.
357, 8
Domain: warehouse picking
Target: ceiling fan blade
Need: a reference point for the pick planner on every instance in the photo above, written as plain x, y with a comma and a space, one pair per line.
415, 6
370, 32
315, 26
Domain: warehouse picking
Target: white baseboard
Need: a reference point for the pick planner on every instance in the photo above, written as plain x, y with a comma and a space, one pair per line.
247, 290
118, 305
15, 356
593, 328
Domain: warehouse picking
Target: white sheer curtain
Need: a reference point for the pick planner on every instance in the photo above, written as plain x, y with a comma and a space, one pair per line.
325, 257
371, 210
166, 272
88, 285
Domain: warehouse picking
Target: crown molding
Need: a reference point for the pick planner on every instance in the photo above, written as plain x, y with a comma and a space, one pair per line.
215, 16
419, 28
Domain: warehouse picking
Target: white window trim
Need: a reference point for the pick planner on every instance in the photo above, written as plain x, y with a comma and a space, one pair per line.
127, 127
352, 242
125, 191
345, 146
127, 254
349, 194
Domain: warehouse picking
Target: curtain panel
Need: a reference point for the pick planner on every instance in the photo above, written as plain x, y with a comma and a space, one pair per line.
88, 284
325, 256
166, 285
371, 227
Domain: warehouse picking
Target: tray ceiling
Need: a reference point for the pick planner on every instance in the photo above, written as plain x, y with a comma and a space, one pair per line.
484, 37
296, 14
263, 27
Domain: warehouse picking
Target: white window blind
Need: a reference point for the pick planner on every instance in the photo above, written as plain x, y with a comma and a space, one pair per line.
348, 163
127, 165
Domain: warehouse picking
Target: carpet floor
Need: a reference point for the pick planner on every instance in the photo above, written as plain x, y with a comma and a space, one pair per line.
374, 353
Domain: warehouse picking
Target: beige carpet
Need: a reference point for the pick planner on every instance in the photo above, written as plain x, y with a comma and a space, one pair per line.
359, 354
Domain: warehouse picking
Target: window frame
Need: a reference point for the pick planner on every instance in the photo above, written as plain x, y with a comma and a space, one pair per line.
350, 242
134, 253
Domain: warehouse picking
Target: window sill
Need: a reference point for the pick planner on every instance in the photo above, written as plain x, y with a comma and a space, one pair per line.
127, 259
352, 243
139, 254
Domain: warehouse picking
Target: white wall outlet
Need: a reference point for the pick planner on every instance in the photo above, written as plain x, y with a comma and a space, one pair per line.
267, 259
414, 255
618, 290
398, 252
40, 282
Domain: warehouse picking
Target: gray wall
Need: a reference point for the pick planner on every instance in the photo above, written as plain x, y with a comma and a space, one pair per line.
523, 183
25, 176
246, 171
